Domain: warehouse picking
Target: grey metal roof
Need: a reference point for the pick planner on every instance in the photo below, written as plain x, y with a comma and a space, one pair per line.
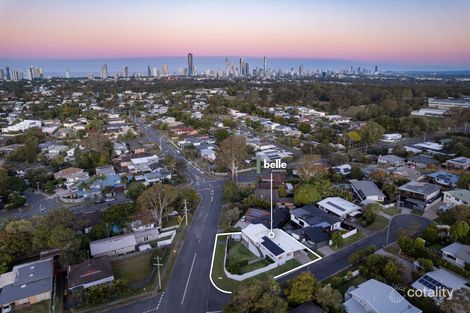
419, 188
314, 215
31, 279
459, 251
108, 245
89, 271
366, 188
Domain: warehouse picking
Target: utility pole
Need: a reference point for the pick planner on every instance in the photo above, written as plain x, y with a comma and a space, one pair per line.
186, 211
158, 264
271, 201
465, 130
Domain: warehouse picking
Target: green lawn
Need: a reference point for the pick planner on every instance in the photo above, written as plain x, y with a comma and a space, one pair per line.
417, 212
392, 211
379, 224
349, 240
41, 307
353, 282
134, 269
239, 253
225, 283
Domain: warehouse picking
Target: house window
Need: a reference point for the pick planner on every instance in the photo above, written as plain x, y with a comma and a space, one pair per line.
146, 238
451, 257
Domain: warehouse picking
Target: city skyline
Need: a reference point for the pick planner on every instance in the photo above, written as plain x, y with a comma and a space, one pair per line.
416, 32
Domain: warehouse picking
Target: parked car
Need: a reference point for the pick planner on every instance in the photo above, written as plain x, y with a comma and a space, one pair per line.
7, 308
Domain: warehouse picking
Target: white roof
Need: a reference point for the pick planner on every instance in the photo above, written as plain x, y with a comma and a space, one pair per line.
256, 232
379, 296
106, 245
441, 276
429, 145
338, 206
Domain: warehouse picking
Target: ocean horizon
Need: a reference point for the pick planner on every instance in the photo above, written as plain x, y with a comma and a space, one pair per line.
84, 67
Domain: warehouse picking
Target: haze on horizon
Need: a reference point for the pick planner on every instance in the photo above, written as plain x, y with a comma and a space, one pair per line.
434, 32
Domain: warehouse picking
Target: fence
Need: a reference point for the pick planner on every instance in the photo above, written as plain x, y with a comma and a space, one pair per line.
246, 275
166, 242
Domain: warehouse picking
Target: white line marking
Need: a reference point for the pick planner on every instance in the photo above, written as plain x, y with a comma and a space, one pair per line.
189, 277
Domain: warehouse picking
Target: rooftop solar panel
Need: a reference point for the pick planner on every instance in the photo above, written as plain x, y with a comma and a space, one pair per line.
271, 246
336, 206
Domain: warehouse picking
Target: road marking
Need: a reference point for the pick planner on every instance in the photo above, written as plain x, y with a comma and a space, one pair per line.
189, 277
158, 304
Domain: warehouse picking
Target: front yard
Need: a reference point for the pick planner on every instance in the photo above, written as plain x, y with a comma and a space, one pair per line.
223, 282
41, 307
348, 241
134, 269
240, 260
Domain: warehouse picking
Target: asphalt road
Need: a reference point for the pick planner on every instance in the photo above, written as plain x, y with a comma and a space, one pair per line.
41, 204
189, 288
338, 261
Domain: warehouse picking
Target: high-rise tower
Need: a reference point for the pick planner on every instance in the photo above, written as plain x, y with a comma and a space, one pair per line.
190, 65
104, 71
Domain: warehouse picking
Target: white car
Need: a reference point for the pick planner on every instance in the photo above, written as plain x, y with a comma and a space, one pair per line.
7, 308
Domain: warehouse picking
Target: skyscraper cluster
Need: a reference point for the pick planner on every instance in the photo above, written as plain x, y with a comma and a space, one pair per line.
33, 72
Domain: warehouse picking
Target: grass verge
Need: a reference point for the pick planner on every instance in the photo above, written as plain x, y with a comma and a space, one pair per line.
379, 224
392, 211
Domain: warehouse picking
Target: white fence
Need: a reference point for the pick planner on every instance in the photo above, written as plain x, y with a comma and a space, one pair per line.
166, 242
349, 233
249, 274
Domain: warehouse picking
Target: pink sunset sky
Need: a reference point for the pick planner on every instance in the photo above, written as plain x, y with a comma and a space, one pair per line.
432, 32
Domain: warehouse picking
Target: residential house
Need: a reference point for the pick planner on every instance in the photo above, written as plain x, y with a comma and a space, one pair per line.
312, 216
440, 279
280, 202
339, 207
418, 195
422, 161
392, 137
260, 216
22, 126
460, 163
105, 170
208, 154
89, 273
72, 175
375, 296
457, 197
28, 283
157, 176
344, 169
456, 253
443, 178
116, 245
86, 221
367, 190
280, 248
406, 173
146, 235
390, 160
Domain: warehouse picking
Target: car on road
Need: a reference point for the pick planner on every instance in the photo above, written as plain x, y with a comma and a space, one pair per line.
7, 308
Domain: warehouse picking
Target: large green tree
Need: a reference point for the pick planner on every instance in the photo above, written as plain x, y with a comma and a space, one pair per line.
300, 289
257, 297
